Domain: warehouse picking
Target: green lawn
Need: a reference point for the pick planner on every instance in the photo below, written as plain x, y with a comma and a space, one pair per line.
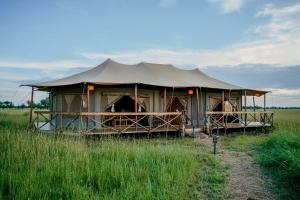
278, 152
41, 166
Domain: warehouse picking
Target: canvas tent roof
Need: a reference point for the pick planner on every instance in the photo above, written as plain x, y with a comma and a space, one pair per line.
166, 75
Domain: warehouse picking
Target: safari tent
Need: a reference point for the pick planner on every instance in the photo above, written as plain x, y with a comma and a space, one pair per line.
115, 98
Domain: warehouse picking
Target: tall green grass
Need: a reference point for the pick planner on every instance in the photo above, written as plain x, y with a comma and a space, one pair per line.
278, 152
13, 119
47, 166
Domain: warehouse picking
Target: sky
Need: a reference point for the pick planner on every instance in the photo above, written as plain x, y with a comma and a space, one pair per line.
252, 43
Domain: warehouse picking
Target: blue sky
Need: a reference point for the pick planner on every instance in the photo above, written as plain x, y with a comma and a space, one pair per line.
42, 40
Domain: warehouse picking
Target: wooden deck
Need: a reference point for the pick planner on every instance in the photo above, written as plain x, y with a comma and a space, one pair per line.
238, 120
104, 123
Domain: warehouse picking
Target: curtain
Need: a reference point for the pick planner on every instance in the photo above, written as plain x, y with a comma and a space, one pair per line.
68, 99
213, 103
74, 103
109, 100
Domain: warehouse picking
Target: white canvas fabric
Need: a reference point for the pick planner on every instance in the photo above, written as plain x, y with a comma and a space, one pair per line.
165, 75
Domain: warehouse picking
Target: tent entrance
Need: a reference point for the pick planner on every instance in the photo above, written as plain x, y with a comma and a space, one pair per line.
176, 106
125, 104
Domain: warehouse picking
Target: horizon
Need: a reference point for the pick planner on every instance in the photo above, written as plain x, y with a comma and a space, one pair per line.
249, 43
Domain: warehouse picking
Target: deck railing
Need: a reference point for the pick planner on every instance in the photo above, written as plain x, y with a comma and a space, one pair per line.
227, 120
109, 122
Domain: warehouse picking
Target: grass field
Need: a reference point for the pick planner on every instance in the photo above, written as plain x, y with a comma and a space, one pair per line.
45, 166
278, 152
40, 166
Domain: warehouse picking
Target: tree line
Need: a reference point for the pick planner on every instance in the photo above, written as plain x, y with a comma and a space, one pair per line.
42, 104
271, 107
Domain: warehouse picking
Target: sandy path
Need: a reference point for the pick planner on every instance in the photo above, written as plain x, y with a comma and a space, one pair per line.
245, 180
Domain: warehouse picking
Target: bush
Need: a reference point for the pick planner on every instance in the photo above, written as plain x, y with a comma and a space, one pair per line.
280, 154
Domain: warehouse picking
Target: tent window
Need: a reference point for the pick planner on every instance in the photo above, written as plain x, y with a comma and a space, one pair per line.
74, 103
215, 104
176, 106
125, 104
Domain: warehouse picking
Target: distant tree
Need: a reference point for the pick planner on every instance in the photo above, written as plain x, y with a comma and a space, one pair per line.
6, 104
44, 103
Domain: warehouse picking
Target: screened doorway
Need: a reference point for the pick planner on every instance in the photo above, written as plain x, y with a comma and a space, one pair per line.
125, 104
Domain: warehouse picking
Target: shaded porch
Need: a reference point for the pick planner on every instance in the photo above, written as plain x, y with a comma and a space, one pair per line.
103, 123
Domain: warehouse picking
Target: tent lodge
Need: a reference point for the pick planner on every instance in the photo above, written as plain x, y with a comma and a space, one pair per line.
115, 98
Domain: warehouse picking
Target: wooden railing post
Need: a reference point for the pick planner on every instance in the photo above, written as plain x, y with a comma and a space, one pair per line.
37, 120
135, 104
198, 107
264, 108
223, 107
31, 105
165, 100
245, 109
254, 108
88, 106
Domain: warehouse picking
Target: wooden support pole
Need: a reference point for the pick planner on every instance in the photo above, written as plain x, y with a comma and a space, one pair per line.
135, 99
198, 107
264, 113
223, 106
254, 106
88, 106
223, 101
31, 105
135, 104
245, 109
264, 102
245, 99
165, 100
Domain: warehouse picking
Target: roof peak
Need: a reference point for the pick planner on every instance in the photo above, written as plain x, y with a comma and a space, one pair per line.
109, 60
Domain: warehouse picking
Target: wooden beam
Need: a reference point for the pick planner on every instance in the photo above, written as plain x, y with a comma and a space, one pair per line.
198, 107
245, 99
223, 102
264, 102
135, 99
233, 113
165, 100
88, 105
254, 104
135, 104
109, 113
31, 105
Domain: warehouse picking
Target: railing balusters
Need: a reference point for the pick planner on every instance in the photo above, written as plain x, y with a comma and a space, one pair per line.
117, 122
240, 119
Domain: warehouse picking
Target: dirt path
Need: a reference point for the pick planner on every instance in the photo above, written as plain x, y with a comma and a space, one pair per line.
246, 180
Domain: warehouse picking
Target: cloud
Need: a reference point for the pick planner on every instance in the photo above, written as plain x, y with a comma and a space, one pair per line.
16, 76
287, 92
258, 76
284, 23
167, 3
283, 53
228, 6
284, 97
19, 95
278, 43
44, 65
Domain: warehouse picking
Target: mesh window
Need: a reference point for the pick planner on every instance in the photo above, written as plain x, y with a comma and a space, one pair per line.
74, 103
